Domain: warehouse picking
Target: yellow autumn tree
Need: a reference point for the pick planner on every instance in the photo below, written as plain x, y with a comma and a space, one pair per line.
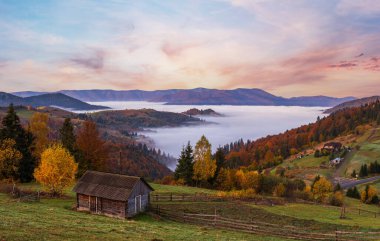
9, 160
57, 169
368, 194
252, 181
39, 128
240, 179
204, 166
321, 189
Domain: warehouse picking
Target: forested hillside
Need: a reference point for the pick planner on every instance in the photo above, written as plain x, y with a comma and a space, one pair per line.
271, 150
135, 159
127, 120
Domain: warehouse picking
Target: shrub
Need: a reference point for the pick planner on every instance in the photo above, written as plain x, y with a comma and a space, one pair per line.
317, 153
353, 193
337, 199
167, 180
279, 190
269, 183
248, 193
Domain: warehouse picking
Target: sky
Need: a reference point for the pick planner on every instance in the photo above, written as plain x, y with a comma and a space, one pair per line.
287, 47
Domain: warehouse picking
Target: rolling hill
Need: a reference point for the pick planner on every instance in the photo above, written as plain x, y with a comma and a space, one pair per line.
50, 99
353, 103
200, 96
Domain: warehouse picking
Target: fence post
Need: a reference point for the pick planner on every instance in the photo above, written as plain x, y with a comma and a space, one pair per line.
214, 217
183, 197
336, 234
171, 196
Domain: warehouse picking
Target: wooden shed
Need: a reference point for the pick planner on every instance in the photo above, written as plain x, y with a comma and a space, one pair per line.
112, 194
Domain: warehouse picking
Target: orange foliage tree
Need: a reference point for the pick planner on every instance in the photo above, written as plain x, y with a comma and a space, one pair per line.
57, 169
92, 148
321, 189
39, 128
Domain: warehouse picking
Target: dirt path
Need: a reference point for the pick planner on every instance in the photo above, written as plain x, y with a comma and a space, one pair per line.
348, 183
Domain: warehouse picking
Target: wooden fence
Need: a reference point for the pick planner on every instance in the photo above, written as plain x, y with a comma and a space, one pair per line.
170, 197
201, 197
261, 228
19, 195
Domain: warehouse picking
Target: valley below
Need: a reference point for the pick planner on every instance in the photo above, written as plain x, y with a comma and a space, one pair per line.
235, 122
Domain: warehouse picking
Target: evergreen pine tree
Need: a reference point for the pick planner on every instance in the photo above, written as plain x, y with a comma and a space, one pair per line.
365, 170
66, 135
24, 143
184, 169
355, 193
353, 174
180, 168
378, 119
349, 192
337, 187
220, 159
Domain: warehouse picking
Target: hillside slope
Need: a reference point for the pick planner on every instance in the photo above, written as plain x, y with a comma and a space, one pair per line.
271, 150
353, 103
137, 158
50, 99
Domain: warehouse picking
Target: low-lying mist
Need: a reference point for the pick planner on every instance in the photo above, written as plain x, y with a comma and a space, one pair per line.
247, 122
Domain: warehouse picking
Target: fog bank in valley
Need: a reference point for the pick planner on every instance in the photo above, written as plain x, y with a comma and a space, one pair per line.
247, 122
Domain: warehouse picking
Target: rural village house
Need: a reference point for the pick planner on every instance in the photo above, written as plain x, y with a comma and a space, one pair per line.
336, 161
112, 194
332, 146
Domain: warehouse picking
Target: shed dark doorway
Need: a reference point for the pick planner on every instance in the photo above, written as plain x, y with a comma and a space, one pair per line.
93, 204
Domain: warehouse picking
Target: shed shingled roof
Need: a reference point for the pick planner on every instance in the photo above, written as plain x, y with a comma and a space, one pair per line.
107, 185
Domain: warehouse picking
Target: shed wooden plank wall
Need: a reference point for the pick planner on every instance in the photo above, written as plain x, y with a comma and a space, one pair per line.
140, 192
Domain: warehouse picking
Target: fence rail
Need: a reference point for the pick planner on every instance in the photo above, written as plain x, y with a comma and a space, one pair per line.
258, 227
170, 197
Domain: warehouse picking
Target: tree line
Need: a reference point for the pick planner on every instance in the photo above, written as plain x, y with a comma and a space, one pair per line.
28, 153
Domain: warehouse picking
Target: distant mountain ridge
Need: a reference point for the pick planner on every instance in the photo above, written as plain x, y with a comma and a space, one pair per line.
353, 103
200, 96
49, 99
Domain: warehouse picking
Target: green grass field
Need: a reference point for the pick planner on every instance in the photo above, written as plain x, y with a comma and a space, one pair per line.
330, 215
308, 167
180, 189
369, 151
54, 219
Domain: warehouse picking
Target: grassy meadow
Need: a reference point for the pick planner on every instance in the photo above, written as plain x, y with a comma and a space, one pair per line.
329, 214
55, 219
